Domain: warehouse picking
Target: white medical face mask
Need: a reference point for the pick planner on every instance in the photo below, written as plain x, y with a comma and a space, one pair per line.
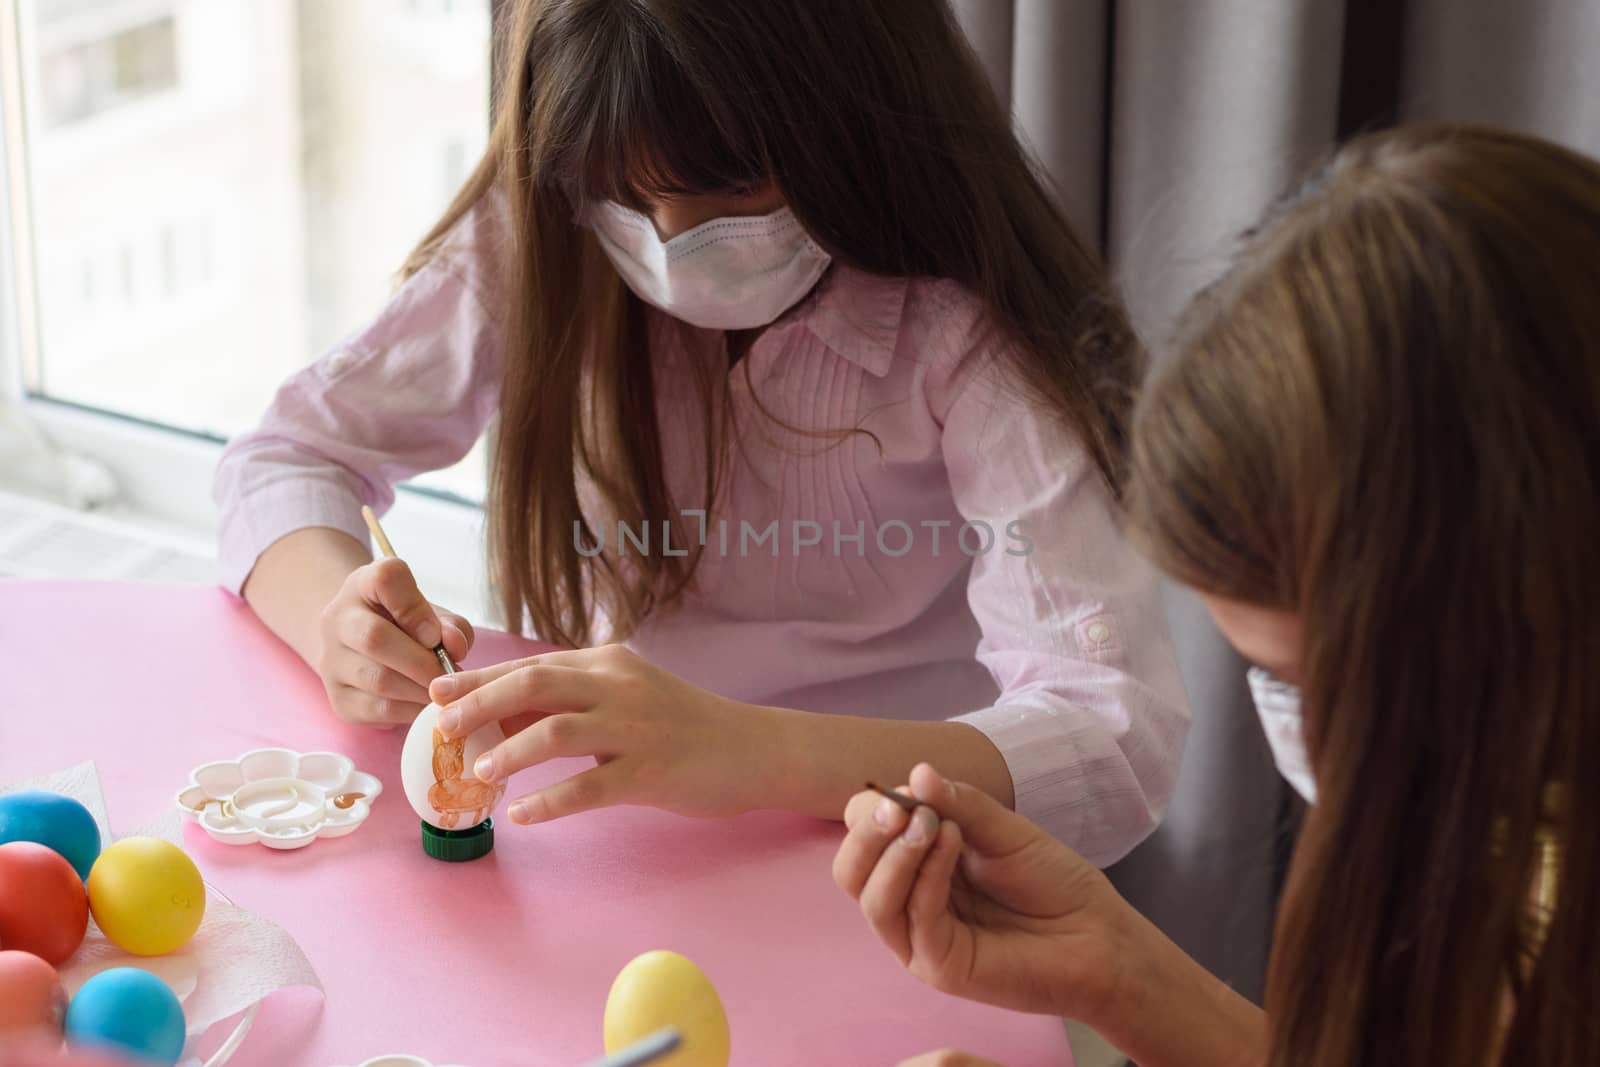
1278, 705
727, 274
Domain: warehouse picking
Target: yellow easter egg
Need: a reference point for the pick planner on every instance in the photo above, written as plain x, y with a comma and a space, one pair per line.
146, 895
661, 989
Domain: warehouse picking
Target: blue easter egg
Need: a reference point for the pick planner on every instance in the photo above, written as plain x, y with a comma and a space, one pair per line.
54, 821
128, 1011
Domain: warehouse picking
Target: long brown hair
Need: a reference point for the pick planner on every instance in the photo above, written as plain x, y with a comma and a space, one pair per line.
873, 119
1386, 419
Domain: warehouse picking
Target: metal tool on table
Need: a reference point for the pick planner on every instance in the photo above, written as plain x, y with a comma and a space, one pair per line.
646, 1050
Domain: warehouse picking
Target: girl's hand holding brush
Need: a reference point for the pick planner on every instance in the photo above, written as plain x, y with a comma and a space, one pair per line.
977, 901
379, 641
378, 636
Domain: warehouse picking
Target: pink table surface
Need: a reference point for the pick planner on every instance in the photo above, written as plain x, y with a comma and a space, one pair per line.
503, 961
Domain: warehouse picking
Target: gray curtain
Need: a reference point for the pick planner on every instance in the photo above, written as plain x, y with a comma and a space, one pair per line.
1167, 126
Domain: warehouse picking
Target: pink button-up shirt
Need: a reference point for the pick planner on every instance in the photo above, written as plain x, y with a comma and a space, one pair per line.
1037, 623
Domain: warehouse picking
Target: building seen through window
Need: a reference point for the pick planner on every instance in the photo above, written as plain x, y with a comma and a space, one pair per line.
223, 189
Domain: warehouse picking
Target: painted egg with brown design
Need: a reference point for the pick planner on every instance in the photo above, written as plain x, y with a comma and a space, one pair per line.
436, 773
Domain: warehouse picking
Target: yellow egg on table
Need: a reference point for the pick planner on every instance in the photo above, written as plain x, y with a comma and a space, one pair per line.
146, 895
661, 989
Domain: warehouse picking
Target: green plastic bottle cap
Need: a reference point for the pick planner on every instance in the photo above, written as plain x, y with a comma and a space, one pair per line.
458, 846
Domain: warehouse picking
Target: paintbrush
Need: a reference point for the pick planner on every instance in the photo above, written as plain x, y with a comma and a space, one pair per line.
388, 550
644, 1051
899, 798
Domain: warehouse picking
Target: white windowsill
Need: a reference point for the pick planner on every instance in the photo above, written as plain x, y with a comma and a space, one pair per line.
164, 478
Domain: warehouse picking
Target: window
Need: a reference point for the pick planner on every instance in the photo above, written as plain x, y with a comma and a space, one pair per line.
218, 191
80, 78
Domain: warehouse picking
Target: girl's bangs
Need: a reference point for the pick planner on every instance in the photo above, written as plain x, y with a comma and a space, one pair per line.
645, 134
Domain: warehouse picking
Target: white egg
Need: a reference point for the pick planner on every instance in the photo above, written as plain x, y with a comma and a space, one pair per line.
437, 773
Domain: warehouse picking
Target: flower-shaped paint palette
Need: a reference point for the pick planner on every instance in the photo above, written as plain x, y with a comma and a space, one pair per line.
279, 798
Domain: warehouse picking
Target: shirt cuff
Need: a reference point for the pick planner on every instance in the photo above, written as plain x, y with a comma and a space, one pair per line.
263, 516
1071, 777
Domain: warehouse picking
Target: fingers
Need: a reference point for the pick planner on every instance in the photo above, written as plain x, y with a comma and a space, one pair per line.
512, 725
598, 787
388, 584
448, 688
452, 687
989, 827
458, 685
458, 635
874, 821
348, 667
861, 806
536, 687
928, 907
355, 705
378, 638
613, 656
550, 738
883, 899
373, 637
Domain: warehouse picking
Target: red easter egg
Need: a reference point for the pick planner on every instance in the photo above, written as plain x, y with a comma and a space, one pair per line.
31, 996
43, 906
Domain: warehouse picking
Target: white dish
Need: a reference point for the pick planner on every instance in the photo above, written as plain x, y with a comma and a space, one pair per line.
393, 1060
279, 798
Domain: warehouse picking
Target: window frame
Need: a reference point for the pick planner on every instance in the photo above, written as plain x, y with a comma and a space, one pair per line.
18, 327
164, 472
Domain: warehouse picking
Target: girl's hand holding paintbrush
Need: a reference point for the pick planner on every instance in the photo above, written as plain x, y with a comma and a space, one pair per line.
378, 636
977, 901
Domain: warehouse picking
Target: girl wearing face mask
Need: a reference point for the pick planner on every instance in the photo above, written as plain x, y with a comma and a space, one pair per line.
1376, 451
809, 400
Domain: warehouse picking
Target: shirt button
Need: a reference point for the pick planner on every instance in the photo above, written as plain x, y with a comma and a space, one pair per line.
338, 361
1099, 633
